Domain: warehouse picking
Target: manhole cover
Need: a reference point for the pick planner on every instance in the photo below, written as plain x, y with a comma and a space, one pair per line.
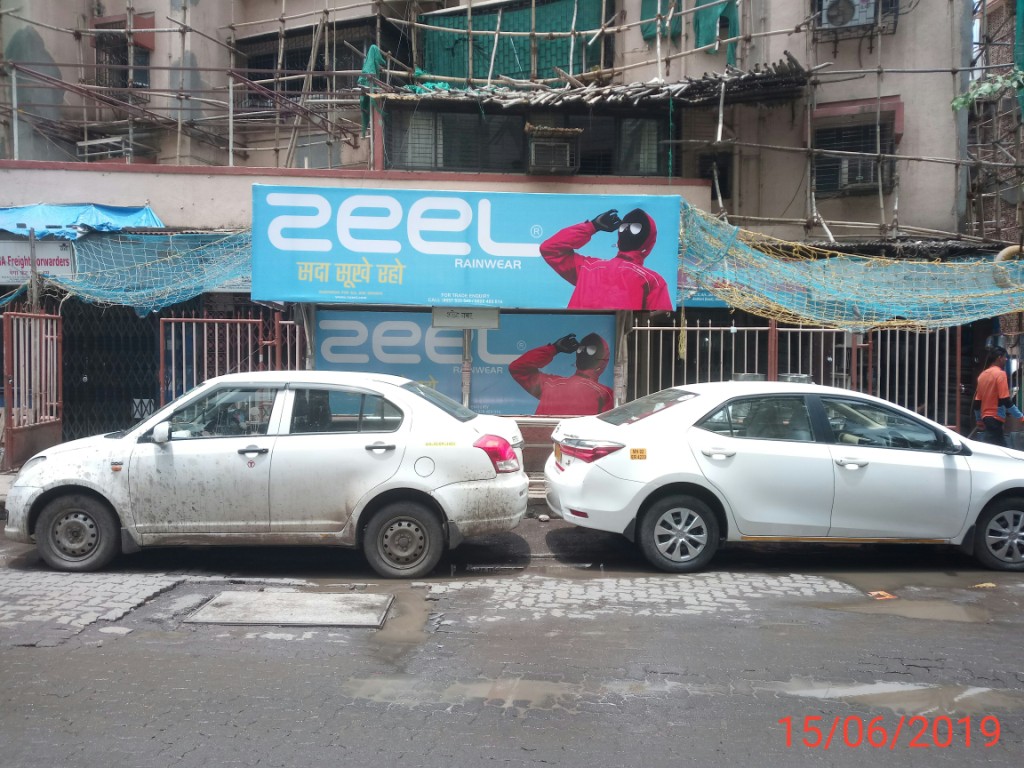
294, 608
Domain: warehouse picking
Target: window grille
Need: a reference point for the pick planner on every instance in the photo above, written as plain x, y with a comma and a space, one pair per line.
112, 61
836, 176
489, 143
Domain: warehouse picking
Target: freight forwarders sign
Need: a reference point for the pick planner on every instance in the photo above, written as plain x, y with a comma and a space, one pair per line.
469, 249
53, 258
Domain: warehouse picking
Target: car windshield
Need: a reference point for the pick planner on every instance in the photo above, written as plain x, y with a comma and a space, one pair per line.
643, 407
451, 407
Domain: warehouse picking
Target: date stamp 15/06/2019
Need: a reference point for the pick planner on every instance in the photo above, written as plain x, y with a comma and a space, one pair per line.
911, 732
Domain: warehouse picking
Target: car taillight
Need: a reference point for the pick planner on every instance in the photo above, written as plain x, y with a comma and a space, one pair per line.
588, 450
500, 452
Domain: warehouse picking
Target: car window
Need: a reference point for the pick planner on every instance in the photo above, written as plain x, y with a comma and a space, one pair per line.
453, 408
856, 422
334, 410
762, 418
642, 407
225, 412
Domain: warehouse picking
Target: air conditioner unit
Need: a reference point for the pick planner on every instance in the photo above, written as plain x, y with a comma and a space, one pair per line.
858, 173
553, 155
843, 14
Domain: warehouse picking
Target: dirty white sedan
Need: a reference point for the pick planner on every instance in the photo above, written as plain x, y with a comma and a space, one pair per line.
684, 470
299, 457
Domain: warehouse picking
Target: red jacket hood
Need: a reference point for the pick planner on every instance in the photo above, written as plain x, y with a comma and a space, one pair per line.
642, 253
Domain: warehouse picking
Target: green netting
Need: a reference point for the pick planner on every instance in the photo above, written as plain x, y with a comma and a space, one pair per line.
445, 53
649, 9
150, 272
796, 283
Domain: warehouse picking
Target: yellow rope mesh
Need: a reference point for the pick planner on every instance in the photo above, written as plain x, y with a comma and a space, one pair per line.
797, 283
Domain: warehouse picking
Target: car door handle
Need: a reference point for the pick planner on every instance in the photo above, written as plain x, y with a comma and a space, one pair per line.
380, 447
253, 449
852, 464
717, 453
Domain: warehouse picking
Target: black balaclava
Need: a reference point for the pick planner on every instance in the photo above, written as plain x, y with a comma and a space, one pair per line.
592, 353
634, 220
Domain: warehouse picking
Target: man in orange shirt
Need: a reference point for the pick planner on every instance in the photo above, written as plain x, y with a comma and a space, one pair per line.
992, 398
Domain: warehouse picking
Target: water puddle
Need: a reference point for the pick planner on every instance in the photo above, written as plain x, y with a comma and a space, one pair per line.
935, 610
518, 694
522, 695
907, 698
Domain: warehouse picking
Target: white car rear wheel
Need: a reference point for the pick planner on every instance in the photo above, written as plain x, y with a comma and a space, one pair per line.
404, 540
679, 534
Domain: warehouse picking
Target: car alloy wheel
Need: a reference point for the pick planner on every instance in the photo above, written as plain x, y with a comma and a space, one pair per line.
679, 534
999, 541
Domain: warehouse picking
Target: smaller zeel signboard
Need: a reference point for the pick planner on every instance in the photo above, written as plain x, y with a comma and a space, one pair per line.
516, 370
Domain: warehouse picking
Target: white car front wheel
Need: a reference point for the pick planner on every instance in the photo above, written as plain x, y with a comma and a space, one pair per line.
999, 536
77, 533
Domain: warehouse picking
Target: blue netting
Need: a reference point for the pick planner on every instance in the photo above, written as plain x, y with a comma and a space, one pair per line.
790, 282
150, 272
795, 283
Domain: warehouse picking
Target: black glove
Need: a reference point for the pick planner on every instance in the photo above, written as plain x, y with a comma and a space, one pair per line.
566, 343
607, 222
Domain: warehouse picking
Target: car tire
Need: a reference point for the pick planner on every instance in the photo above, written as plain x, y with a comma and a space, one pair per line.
999, 535
679, 534
77, 533
403, 540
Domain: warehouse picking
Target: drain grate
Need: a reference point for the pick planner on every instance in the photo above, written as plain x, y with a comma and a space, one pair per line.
295, 609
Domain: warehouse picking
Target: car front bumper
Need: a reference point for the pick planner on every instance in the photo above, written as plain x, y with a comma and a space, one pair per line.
19, 499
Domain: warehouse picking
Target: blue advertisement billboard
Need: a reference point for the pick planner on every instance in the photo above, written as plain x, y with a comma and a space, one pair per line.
547, 365
447, 248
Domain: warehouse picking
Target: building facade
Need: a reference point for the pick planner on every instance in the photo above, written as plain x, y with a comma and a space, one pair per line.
818, 121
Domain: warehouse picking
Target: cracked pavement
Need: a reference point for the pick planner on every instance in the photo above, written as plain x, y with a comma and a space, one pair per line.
513, 655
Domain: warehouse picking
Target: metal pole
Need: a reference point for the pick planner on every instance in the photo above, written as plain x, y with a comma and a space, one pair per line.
467, 364
33, 279
14, 111
231, 122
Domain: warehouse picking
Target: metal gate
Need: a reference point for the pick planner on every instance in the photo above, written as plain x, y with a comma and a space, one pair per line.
33, 385
918, 370
194, 349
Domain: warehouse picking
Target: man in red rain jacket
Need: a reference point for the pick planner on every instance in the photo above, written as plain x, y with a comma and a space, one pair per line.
578, 395
622, 282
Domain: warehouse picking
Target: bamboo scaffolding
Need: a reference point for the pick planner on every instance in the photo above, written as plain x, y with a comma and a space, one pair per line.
186, 110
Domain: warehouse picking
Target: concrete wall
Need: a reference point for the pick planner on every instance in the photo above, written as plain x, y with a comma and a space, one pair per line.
204, 198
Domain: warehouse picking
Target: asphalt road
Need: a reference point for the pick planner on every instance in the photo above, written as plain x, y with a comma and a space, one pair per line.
550, 645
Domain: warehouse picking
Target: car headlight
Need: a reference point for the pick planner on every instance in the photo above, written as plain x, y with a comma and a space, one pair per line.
27, 467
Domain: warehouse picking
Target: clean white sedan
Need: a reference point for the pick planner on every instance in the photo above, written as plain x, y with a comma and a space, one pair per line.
297, 457
684, 470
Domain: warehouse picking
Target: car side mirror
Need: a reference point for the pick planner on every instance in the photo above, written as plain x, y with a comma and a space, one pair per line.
952, 445
162, 432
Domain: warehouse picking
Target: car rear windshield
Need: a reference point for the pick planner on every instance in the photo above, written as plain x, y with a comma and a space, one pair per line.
451, 407
643, 407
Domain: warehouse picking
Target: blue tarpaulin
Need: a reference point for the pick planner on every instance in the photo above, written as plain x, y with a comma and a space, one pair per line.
70, 222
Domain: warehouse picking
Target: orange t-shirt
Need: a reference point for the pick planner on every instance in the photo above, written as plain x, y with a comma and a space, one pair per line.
992, 387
